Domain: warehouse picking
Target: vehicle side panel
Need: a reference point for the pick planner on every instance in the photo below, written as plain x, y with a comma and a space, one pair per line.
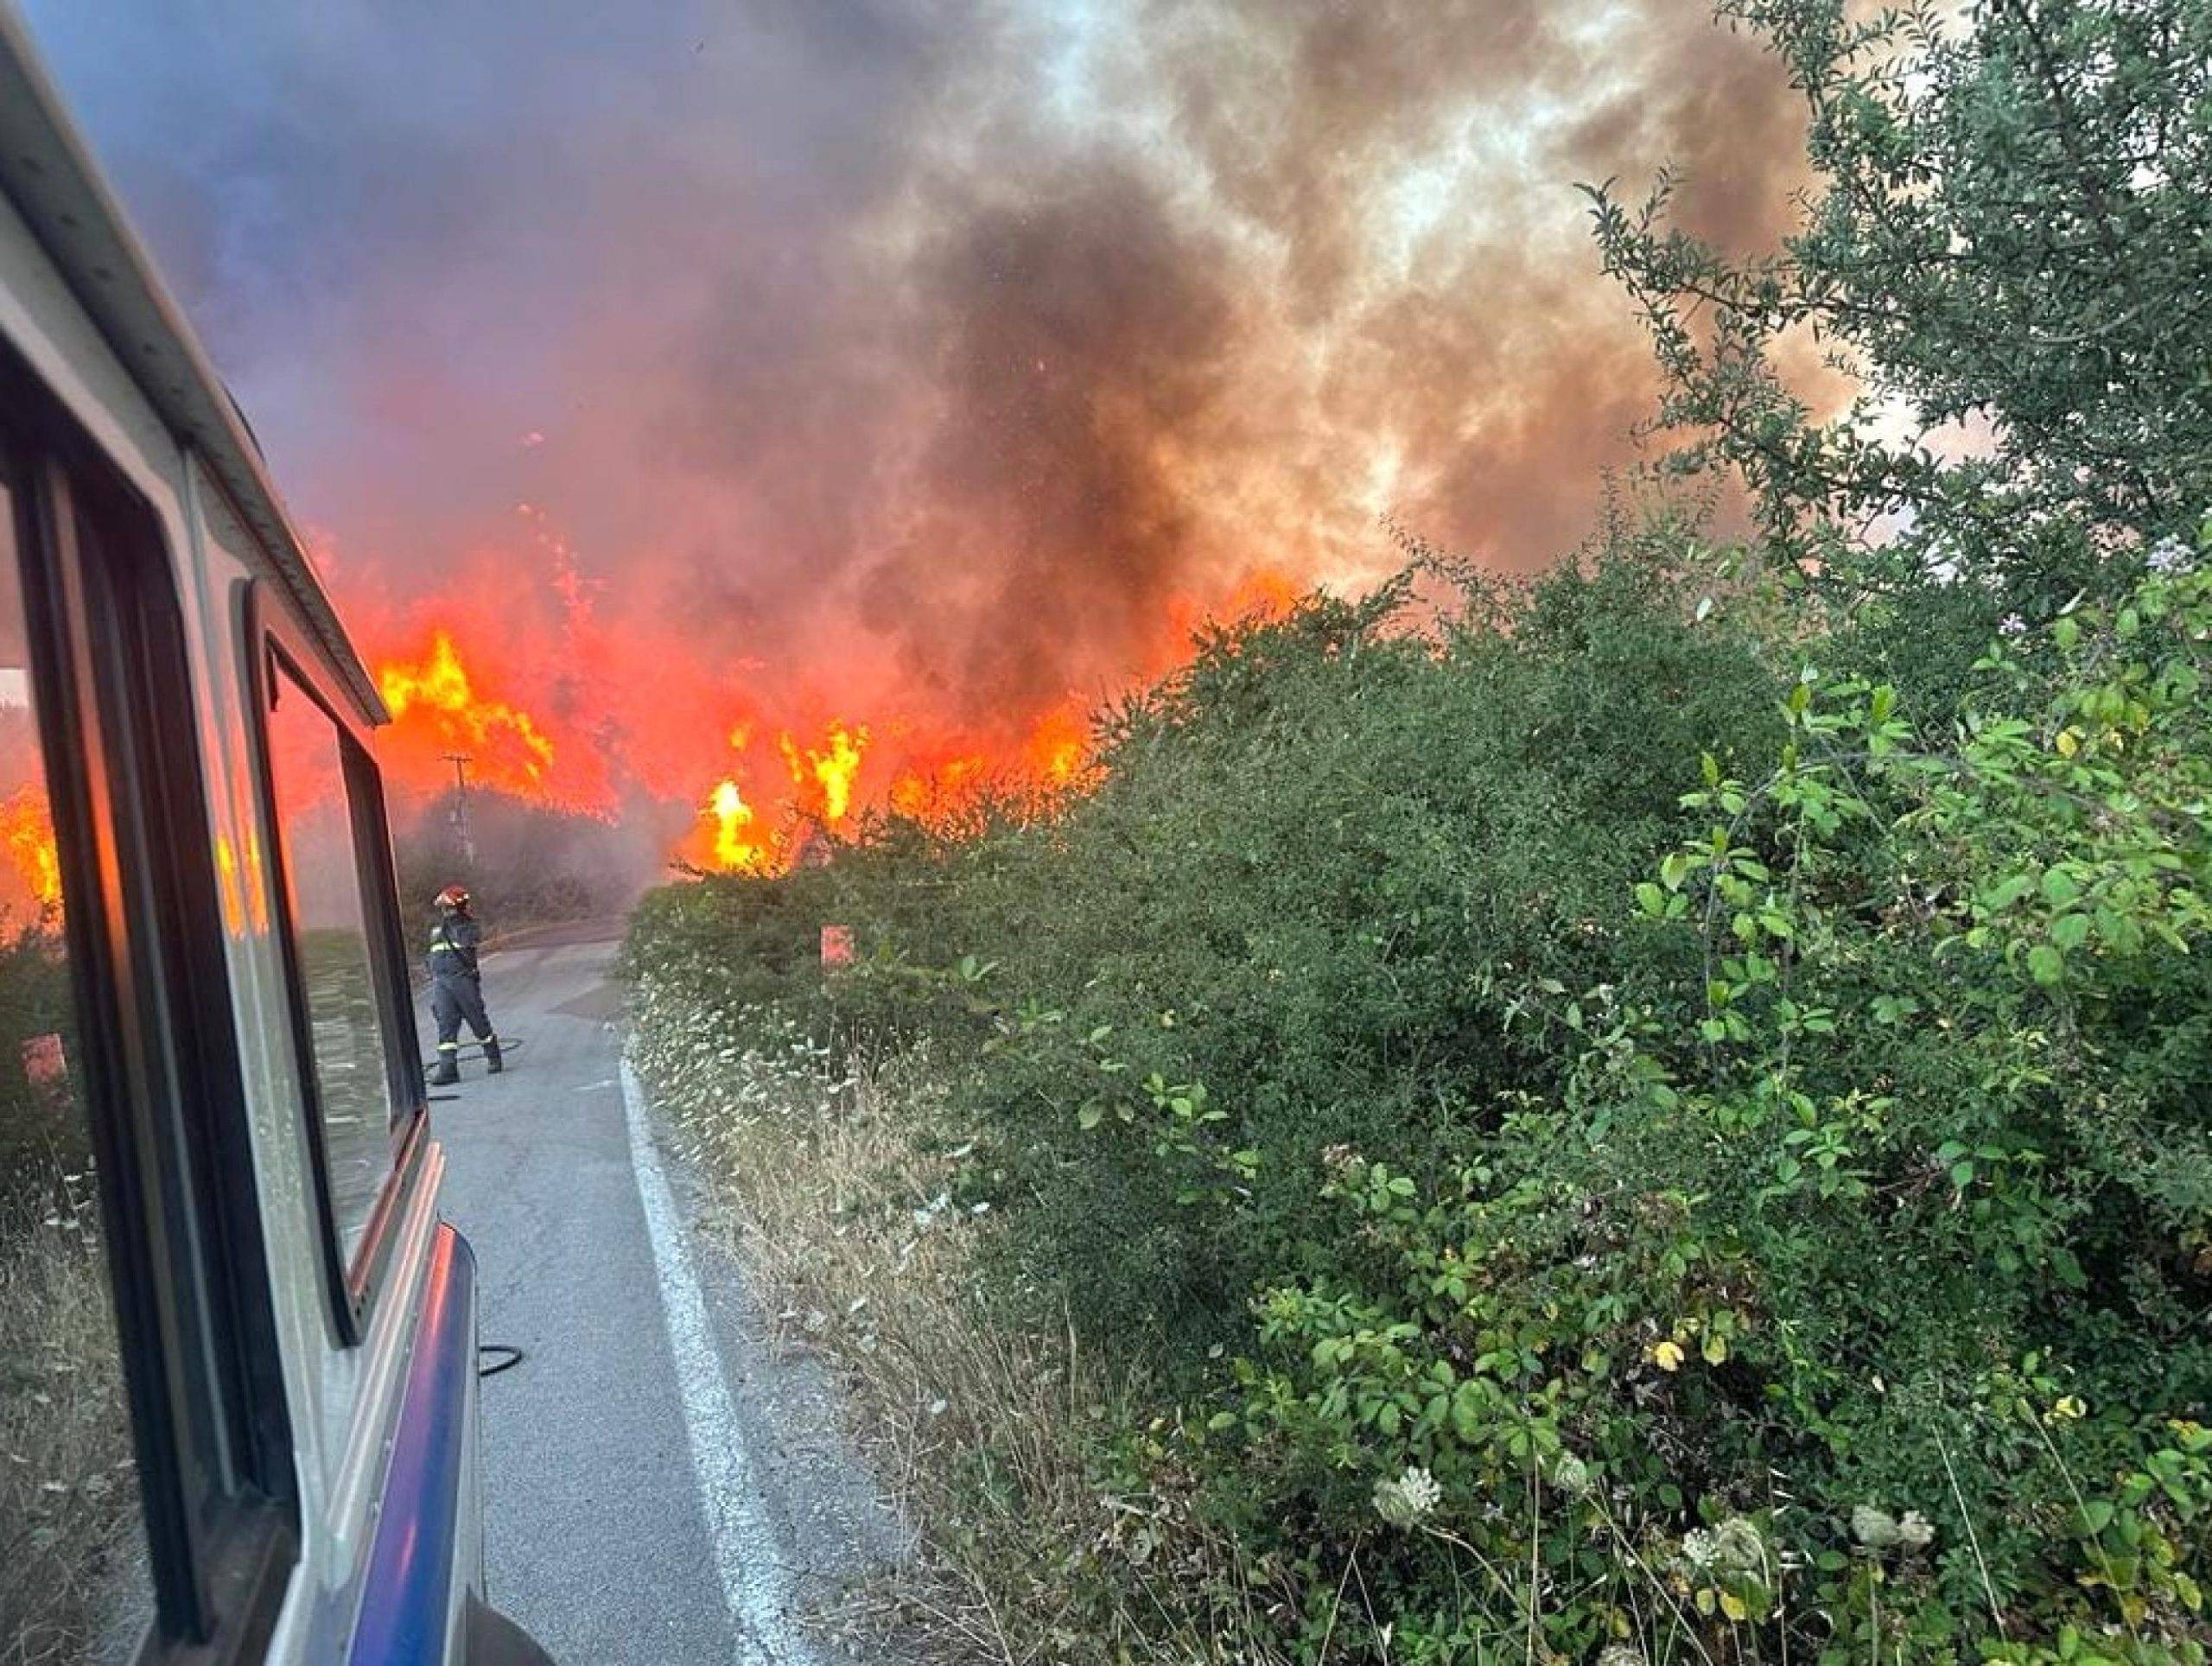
410, 1600
343, 1401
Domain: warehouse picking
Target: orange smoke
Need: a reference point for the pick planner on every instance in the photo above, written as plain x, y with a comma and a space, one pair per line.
27, 829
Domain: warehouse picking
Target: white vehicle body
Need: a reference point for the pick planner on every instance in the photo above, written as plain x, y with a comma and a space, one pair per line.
337, 1517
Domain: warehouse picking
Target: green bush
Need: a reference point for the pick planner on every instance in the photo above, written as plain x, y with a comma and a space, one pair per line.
43, 1136
1323, 863
1775, 1212
1899, 1214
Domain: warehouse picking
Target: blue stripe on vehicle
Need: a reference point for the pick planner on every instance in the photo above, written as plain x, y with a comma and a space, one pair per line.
407, 1598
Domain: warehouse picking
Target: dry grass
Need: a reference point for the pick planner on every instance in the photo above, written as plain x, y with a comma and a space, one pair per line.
70, 1560
837, 1194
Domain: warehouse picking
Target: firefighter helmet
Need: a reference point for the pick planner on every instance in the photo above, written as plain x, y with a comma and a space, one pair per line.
454, 897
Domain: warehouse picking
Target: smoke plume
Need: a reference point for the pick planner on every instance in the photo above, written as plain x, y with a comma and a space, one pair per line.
758, 364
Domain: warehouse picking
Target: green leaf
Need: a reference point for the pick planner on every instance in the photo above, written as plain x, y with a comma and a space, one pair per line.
1467, 1411
2045, 964
2059, 886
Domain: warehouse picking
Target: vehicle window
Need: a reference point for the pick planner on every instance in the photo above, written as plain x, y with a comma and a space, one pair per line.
75, 1580
330, 928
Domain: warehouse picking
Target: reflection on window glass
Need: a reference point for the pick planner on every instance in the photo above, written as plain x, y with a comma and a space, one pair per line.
73, 1580
330, 926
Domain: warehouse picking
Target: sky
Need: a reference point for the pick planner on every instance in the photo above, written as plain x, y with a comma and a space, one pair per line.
928, 365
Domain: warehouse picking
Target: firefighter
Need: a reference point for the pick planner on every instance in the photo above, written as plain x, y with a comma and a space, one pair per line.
455, 992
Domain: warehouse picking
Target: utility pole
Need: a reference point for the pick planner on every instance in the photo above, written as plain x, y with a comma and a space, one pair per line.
461, 761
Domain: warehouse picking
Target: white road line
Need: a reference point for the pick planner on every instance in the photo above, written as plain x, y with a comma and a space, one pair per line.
756, 1586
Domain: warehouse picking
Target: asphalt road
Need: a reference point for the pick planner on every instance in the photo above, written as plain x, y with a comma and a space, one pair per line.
660, 1487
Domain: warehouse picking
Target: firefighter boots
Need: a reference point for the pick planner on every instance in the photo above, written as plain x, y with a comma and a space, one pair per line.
446, 1073
492, 1064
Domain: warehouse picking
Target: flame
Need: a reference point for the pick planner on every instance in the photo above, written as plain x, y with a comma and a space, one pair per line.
433, 698
824, 778
1262, 595
737, 836
27, 827
750, 765
1058, 747
934, 792
739, 848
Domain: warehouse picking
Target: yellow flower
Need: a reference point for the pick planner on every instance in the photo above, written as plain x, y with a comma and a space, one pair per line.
1668, 1356
2070, 1409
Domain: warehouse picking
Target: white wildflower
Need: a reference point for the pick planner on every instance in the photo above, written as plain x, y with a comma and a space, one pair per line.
1875, 1528
2170, 555
1570, 1474
1405, 1499
1738, 1543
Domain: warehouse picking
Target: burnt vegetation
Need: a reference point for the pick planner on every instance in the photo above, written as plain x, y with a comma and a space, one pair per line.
1656, 1113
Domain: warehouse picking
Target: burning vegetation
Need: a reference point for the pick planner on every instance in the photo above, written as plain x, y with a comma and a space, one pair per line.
449, 717
27, 831
767, 792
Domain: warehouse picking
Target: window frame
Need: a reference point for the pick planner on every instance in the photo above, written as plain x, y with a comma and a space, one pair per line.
162, 1085
276, 647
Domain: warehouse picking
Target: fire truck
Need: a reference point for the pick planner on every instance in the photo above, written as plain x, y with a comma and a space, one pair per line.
238, 1359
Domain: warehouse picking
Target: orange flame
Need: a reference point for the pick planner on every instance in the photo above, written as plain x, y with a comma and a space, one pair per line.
739, 847
632, 717
824, 778
434, 696
27, 827
934, 792
1058, 747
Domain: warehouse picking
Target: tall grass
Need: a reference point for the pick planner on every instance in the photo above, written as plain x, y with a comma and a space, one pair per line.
73, 1579
835, 1186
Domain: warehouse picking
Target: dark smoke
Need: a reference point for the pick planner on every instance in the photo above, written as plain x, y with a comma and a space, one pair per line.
900, 354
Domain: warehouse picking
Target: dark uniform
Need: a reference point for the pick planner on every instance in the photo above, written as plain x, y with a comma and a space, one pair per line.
457, 994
